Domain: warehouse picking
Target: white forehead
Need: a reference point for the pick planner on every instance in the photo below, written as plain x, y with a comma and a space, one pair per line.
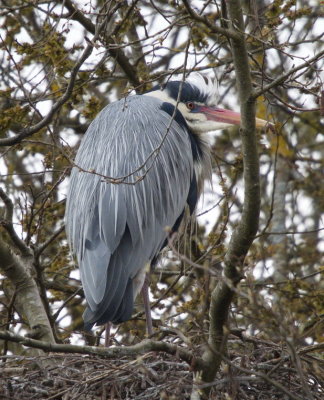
206, 85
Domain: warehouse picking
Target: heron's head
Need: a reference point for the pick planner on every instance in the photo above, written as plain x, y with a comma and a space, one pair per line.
197, 100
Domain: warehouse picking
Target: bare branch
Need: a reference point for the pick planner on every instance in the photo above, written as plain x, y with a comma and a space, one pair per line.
44, 245
246, 229
116, 53
283, 77
143, 347
68, 92
46, 120
231, 34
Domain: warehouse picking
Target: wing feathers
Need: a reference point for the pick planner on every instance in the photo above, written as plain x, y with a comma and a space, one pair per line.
116, 229
112, 216
93, 269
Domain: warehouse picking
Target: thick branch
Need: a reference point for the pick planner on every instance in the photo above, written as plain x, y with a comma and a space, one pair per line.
8, 225
28, 301
246, 229
111, 352
248, 226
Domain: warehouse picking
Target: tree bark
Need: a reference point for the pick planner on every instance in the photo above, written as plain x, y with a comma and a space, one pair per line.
246, 229
28, 302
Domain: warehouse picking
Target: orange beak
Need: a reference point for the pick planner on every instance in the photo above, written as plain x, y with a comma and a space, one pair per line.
229, 117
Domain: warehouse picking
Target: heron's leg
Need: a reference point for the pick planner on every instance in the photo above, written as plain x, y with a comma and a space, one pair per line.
146, 300
107, 334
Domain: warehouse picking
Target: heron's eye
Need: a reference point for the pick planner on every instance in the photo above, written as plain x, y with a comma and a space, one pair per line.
190, 105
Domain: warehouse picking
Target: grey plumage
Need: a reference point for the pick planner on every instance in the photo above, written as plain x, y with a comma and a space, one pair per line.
116, 229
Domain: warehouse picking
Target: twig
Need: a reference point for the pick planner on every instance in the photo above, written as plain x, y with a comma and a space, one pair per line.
43, 246
116, 53
283, 77
204, 20
68, 92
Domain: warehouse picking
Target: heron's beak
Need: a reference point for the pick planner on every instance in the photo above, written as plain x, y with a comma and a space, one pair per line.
229, 117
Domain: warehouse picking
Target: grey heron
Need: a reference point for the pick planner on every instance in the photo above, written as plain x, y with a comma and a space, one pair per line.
140, 166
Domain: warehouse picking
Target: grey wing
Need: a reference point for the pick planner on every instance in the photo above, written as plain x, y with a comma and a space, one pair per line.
116, 229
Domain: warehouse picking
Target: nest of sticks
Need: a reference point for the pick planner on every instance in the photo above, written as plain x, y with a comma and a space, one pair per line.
260, 370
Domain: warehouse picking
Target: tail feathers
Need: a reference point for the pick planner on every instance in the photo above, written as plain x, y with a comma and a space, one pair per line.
116, 315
